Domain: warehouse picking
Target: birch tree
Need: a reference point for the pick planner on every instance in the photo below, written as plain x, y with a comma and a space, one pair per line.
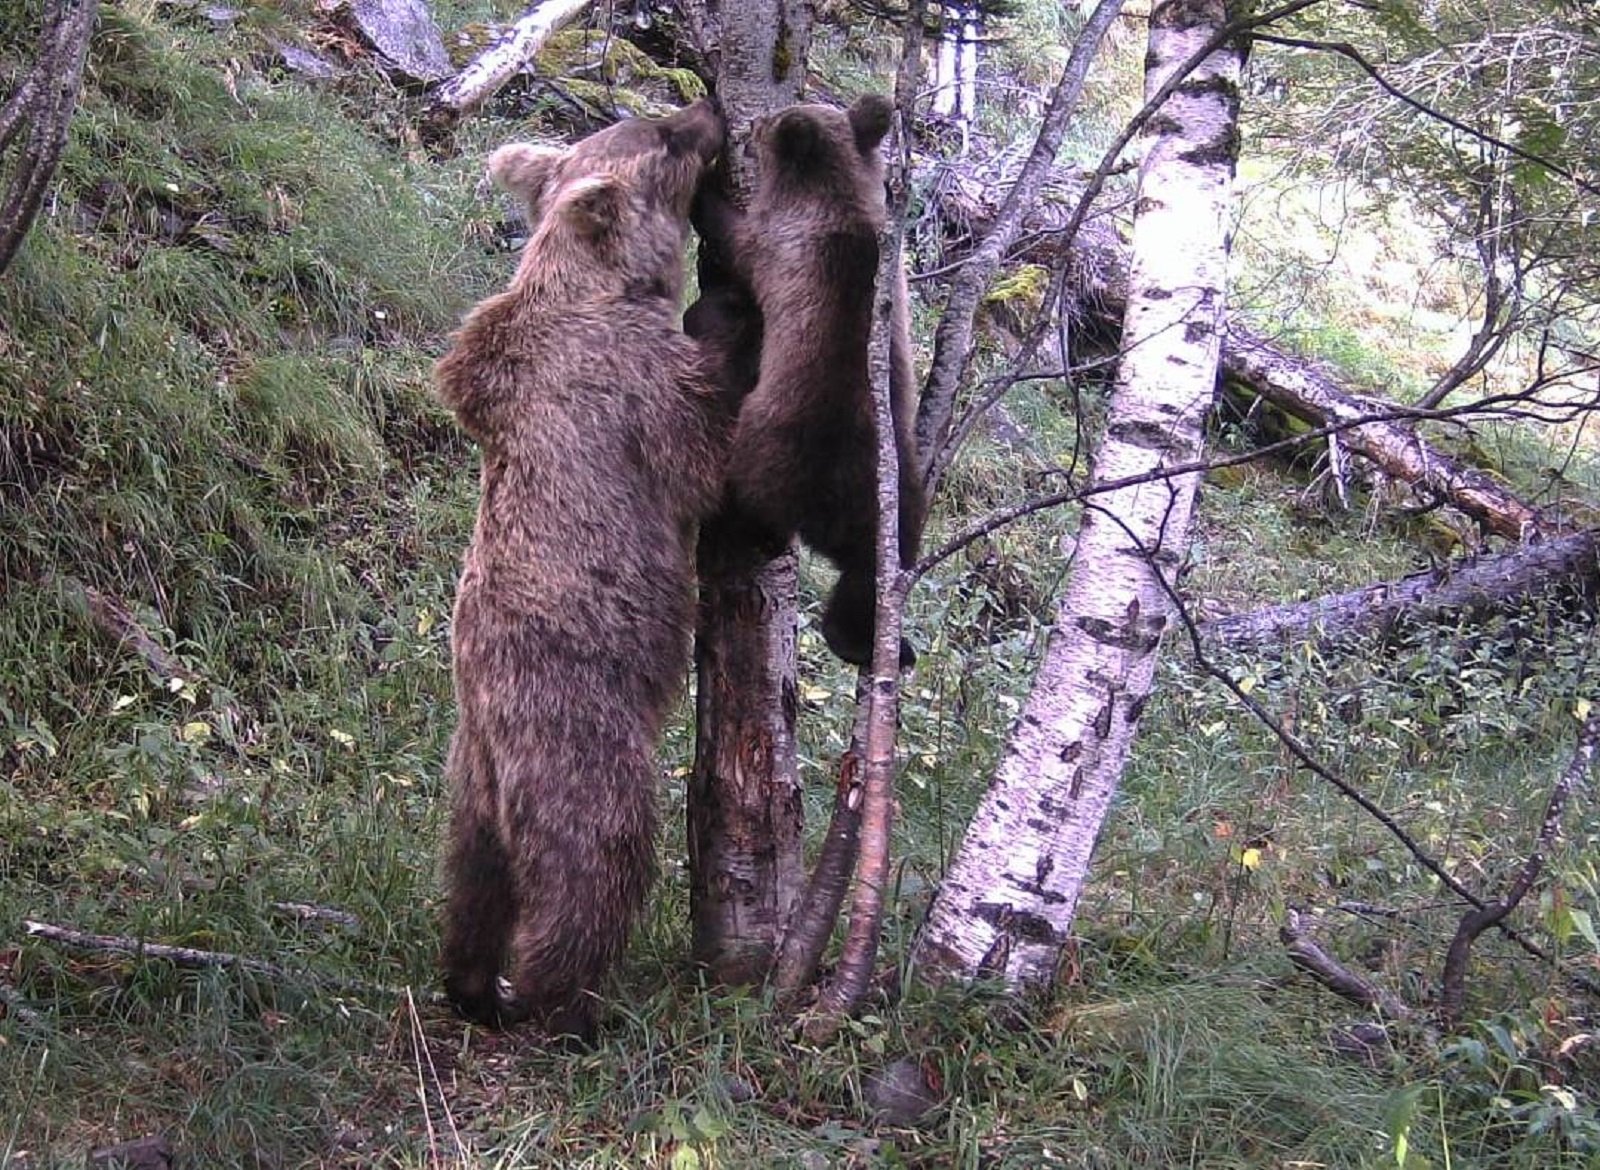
1006, 906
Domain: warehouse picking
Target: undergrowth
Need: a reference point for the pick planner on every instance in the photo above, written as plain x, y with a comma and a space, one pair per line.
214, 407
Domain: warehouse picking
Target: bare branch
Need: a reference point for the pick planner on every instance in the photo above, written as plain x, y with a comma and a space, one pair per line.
1351, 53
952, 343
1309, 956
1452, 992
138, 948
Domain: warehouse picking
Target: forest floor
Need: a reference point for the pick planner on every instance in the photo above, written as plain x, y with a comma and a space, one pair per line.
214, 407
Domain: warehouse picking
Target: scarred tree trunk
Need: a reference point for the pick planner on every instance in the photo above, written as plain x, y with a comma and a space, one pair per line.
746, 862
1005, 908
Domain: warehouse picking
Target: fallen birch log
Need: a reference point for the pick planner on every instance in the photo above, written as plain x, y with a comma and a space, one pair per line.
1299, 387
482, 77
1098, 263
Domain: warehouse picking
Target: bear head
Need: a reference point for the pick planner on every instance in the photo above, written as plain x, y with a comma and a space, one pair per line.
826, 150
613, 208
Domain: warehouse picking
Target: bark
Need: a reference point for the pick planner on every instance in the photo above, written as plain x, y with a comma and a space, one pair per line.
745, 818
42, 105
1006, 906
1482, 583
952, 342
502, 61
812, 923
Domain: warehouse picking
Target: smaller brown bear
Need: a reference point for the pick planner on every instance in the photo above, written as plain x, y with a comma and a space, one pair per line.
803, 263
603, 443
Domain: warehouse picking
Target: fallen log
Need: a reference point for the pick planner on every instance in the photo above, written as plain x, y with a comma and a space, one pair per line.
1302, 389
482, 77
1479, 584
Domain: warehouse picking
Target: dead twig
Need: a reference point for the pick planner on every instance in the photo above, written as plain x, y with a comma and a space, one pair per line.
197, 959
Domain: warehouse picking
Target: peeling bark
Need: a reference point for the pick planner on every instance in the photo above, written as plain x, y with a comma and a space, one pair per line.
1006, 906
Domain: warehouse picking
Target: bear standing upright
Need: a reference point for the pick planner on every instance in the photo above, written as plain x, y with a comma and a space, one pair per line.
603, 445
804, 261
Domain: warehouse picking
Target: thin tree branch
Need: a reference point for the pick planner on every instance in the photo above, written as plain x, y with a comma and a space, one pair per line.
1302, 753
1452, 993
952, 343
933, 418
1351, 53
191, 957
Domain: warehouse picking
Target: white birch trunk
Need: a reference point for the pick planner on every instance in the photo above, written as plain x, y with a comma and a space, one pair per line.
1006, 906
967, 72
944, 65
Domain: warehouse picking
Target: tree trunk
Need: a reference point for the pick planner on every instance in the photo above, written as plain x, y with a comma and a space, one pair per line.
1461, 587
952, 342
746, 857
1005, 908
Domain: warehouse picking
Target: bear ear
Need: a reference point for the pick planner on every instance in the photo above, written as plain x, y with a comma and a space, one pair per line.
593, 205
869, 121
525, 169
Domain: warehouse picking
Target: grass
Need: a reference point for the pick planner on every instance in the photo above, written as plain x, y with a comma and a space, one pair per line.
214, 405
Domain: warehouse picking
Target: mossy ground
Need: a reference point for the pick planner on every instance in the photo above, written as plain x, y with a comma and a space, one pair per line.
214, 404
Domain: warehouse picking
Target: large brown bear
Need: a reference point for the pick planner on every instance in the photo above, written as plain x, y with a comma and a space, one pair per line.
792, 280
603, 443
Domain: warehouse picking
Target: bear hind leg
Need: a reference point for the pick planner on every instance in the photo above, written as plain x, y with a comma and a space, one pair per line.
482, 905
582, 879
850, 619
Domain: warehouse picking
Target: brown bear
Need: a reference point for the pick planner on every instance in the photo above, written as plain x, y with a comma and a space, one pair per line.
603, 443
792, 280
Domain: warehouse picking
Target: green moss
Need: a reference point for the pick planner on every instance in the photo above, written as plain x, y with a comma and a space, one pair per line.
1022, 290
578, 55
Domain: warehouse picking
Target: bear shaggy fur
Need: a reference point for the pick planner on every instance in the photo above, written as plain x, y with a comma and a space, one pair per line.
603, 442
792, 280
